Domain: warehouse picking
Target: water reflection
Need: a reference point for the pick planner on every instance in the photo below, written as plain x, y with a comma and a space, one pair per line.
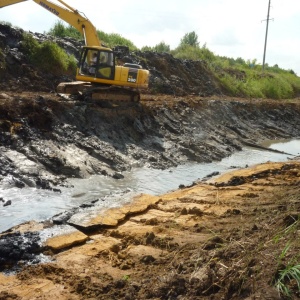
292, 147
35, 204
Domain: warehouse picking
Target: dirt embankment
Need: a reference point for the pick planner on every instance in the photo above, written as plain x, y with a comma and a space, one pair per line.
45, 139
228, 239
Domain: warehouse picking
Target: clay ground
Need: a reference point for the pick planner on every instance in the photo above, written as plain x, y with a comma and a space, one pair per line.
224, 239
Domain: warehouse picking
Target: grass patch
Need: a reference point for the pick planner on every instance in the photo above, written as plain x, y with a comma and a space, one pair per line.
287, 277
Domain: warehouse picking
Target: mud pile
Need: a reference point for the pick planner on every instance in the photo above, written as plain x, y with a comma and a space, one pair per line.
168, 74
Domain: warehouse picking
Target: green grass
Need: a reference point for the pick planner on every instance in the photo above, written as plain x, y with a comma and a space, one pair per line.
286, 275
288, 267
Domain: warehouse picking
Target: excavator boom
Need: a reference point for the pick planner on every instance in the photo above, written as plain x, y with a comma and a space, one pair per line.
9, 2
69, 15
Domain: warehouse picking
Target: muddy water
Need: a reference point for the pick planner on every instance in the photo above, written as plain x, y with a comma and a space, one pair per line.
34, 204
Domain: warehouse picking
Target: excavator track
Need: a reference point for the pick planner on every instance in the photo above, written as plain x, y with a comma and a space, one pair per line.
113, 94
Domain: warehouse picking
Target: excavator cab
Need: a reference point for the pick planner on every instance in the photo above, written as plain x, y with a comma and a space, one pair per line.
98, 63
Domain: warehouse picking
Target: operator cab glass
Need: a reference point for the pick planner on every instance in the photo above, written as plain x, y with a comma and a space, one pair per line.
97, 63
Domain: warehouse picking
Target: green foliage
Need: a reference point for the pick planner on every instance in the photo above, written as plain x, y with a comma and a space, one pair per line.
194, 53
48, 56
60, 30
286, 275
274, 82
190, 38
161, 47
30, 45
114, 39
109, 40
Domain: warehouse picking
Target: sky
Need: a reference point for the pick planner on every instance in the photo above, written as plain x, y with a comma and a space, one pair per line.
232, 28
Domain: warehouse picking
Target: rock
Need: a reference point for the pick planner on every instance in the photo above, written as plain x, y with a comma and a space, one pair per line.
16, 246
118, 176
7, 203
5, 96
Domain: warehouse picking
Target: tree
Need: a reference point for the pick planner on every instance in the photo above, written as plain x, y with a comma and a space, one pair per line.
190, 39
162, 47
114, 39
60, 30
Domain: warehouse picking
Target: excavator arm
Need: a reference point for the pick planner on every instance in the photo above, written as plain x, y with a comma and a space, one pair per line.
69, 15
9, 2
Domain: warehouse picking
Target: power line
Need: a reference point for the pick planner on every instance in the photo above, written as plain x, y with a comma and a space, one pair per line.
266, 36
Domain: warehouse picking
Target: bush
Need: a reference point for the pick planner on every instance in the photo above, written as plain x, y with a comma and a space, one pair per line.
114, 39
160, 48
194, 53
48, 56
60, 30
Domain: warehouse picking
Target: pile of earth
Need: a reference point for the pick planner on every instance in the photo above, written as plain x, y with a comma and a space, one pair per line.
168, 74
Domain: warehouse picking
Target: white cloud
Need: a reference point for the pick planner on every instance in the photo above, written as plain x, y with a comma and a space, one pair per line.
232, 28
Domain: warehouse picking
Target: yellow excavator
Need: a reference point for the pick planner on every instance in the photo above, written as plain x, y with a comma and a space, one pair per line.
98, 74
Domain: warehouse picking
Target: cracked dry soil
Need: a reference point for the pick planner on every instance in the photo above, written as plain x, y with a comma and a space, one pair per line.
221, 239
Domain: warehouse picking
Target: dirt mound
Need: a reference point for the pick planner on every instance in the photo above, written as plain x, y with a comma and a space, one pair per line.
168, 75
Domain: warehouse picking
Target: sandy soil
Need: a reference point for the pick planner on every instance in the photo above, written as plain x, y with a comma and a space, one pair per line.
225, 239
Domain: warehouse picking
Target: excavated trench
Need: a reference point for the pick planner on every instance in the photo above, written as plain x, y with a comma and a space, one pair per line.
47, 140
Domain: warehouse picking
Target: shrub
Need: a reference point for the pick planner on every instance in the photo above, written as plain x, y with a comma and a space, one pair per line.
48, 56
60, 30
193, 53
161, 47
114, 39
191, 39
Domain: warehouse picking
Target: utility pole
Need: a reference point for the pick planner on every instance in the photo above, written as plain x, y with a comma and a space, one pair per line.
266, 37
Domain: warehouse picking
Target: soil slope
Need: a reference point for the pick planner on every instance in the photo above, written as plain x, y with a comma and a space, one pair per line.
45, 139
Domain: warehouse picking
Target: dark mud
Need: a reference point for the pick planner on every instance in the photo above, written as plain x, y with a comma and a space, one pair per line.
45, 139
